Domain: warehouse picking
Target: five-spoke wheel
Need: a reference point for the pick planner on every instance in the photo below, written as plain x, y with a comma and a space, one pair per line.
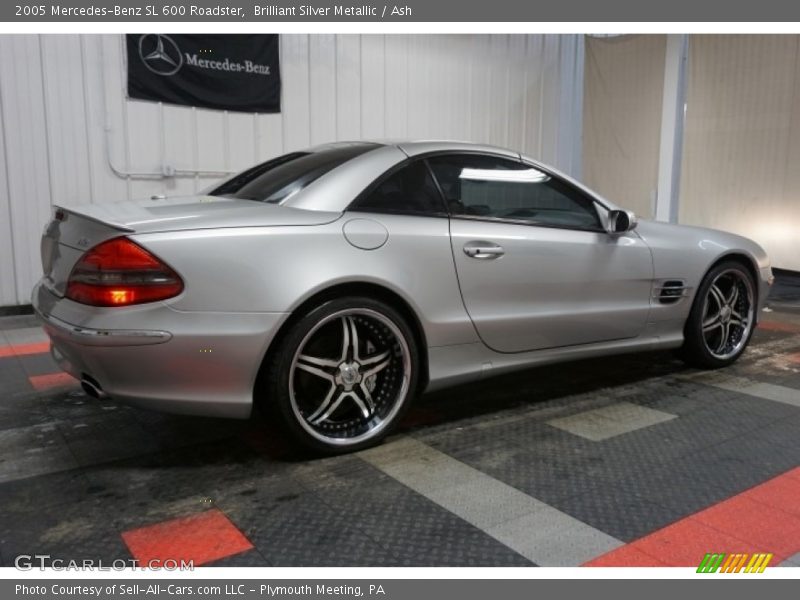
722, 317
345, 373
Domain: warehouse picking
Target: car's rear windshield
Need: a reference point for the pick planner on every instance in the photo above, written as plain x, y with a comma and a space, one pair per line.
277, 179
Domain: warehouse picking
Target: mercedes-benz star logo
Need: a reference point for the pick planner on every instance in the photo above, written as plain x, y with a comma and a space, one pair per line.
160, 54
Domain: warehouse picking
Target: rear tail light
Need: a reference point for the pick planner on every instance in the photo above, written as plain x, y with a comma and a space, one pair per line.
119, 272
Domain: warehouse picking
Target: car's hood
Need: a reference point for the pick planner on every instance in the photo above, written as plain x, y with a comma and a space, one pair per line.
666, 239
725, 239
196, 212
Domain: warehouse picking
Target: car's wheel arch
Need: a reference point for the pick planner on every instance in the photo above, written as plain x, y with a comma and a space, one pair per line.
747, 261
367, 289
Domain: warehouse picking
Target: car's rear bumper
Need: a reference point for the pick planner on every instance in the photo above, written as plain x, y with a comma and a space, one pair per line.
155, 357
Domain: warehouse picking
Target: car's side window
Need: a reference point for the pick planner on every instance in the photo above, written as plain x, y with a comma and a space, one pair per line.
409, 190
497, 188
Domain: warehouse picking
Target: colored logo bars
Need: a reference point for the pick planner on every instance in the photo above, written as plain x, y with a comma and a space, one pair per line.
747, 563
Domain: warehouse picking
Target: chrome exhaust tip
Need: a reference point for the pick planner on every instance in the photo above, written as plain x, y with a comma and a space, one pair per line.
92, 388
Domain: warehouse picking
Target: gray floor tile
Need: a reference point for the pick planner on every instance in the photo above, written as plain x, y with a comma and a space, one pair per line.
610, 421
30, 451
25, 335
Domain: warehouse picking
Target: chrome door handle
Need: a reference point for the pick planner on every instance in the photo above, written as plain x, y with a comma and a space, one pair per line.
484, 250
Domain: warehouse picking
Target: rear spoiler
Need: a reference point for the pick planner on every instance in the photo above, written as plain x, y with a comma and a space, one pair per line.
117, 226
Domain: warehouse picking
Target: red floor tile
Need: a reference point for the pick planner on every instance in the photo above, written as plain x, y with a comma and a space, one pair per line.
766, 528
761, 519
627, 556
785, 496
779, 326
794, 473
51, 380
685, 543
23, 349
201, 538
782, 493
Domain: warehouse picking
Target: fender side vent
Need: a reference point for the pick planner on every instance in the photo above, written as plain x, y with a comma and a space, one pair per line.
670, 291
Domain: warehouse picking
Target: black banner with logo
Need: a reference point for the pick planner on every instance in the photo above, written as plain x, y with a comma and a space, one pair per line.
226, 72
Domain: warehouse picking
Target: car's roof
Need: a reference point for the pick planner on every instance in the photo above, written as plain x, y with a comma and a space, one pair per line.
412, 147
336, 189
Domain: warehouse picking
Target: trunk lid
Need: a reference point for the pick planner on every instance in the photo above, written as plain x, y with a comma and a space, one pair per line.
76, 229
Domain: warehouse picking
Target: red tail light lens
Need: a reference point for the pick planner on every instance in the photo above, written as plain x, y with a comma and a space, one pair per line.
119, 272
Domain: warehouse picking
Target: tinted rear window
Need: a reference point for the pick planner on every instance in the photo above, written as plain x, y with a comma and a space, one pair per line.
410, 190
277, 179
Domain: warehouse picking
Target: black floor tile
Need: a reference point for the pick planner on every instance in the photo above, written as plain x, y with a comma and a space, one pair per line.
75, 404
413, 529
250, 558
104, 438
625, 517
38, 364
75, 531
166, 485
46, 492
301, 530
13, 379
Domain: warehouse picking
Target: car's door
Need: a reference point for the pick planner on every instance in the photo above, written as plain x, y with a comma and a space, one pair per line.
413, 255
535, 265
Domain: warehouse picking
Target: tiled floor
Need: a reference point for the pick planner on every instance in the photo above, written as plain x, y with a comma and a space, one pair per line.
625, 460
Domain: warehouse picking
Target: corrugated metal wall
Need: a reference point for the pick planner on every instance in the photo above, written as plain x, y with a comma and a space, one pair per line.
68, 135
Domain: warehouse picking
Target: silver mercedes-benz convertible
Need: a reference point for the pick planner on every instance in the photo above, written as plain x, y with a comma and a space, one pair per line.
338, 282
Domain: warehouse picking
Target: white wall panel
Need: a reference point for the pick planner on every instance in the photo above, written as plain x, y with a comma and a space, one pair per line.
26, 155
742, 140
348, 87
322, 88
8, 284
373, 87
69, 135
210, 131
295, 103
622, 118
106, 146
397, 73
179, 137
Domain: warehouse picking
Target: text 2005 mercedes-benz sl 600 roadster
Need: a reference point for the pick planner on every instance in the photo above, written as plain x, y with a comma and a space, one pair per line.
338, 282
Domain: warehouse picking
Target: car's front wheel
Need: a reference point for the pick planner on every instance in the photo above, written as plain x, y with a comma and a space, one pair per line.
722, 317
344, 374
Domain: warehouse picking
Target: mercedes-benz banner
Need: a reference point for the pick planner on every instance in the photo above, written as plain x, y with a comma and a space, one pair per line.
226, 72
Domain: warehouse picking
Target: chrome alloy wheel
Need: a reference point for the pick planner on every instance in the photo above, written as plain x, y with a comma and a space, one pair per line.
728, 314
349, 376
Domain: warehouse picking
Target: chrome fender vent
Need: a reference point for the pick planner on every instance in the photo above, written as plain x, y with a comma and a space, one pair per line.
670, 291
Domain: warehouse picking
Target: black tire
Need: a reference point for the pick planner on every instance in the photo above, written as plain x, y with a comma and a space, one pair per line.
337, 409
705, 346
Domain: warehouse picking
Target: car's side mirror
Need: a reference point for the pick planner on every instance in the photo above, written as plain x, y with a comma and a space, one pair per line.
621, 221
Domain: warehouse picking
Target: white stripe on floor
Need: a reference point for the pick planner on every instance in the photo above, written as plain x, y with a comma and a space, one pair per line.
768, 391
536, 530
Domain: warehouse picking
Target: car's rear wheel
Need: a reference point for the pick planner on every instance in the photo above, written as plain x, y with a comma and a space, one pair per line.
344, 374
722, 317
